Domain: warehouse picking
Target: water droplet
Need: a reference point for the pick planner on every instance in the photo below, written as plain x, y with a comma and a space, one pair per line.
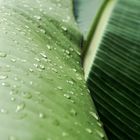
61, 67
50, 8
71, 92
74, 70
42, 115
13, 99
73, 112
42, 67
2, 77
94, 115
71, 49
99, 124
13, 60
5, 84
67, 96
4, 111
49, 47
64, 134
55, 70
67, 52
70, 82
100, 134
37, 17
64, 28
60, 88
2, 54
12, 138
37, 59
36, 65
43, 55
89, 130
27, 95
31, 70
20, 107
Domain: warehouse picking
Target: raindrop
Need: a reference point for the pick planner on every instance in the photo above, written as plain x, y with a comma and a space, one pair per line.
43, 55
61, 67
13, 99
100, 134
67, 96
42, 67
2, 77
60, 88
50, 8
36, 65
37, 17
64, 134
71, 92
73, 112
55, 70
13, 60
43, 31
5, 84
20, 107
74, 70
31, 70
94, 115
42, 115
99, 124
67, 52
37, 59
4, 111
49, 47
70, 82
64, 28
89, 130
26, 95
2, 54
71, 49
12, 138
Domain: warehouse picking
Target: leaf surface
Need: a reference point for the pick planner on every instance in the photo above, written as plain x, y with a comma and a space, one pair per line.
43, 95
112, 65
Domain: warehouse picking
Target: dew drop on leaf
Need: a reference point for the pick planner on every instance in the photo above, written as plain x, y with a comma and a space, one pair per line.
43, 55
49, 47
94, 115
2, 54
2, 77
67, 96
26, 95
73, 112
42, 67
5, 84
12, 138
89, 130
42, 115
20, 107
100, 134
60, 88
64, 28
3, 111
64, 134
12, 99
31, 70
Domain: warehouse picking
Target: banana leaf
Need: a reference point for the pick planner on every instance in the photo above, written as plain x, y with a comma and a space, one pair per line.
43, 95
112, 68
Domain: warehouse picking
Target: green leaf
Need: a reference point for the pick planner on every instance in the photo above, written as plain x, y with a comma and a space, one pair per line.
112, 69
43, 95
